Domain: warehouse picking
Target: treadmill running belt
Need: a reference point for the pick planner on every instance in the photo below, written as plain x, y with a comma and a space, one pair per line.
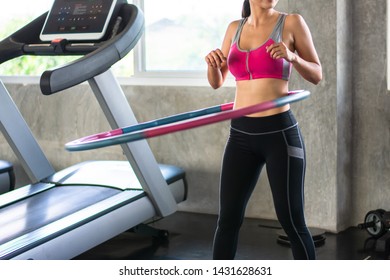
44, 208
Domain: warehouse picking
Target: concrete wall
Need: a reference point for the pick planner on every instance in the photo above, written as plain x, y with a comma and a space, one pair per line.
346, 122
371, 103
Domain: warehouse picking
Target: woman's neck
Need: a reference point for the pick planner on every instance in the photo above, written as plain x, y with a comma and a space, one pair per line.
260, 17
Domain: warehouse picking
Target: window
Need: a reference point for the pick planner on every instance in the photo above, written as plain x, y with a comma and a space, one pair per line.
178, 35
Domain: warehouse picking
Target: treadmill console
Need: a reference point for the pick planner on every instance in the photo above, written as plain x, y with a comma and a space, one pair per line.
78, 20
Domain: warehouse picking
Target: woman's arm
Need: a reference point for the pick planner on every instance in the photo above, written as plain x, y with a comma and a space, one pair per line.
216, 60
302, 53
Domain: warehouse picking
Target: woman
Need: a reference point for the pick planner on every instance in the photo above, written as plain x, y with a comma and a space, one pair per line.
260, 50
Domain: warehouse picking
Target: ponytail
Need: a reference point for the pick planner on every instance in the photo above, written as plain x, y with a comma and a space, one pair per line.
246, 9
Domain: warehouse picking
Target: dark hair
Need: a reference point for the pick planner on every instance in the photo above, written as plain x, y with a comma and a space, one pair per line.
246, 9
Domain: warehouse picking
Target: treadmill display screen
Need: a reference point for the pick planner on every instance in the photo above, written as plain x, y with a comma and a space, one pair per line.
78, 19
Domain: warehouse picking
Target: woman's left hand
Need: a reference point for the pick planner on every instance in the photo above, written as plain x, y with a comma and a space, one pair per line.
280, 50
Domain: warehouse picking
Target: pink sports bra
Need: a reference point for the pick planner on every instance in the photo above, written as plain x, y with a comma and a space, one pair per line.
257, 63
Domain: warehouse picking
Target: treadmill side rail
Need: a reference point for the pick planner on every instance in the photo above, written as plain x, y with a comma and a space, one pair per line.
119, 114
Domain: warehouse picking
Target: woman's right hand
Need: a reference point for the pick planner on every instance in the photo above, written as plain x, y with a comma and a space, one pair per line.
215, 59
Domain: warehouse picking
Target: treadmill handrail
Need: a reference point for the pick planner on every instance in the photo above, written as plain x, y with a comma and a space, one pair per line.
13, 46
99, 60
98, 56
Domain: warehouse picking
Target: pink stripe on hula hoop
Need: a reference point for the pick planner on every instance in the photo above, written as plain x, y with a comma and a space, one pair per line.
227, 106
102, 135
158, 131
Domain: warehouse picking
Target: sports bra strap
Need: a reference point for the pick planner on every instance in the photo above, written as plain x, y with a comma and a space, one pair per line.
277, 33
239, 29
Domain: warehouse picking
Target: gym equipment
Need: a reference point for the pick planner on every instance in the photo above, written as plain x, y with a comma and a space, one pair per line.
7, 177
154, 128
63, 214
377, 224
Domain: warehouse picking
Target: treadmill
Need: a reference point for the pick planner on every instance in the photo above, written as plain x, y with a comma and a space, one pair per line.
65, 213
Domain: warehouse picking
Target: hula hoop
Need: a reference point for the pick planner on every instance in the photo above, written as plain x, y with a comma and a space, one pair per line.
168, 125
158, 122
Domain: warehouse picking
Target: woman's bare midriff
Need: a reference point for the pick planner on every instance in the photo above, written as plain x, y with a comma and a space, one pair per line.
251, 92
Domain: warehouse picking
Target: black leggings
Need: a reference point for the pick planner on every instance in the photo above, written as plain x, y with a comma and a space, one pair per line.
277, 142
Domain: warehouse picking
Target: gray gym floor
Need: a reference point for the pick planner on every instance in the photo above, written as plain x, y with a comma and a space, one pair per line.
190, 238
